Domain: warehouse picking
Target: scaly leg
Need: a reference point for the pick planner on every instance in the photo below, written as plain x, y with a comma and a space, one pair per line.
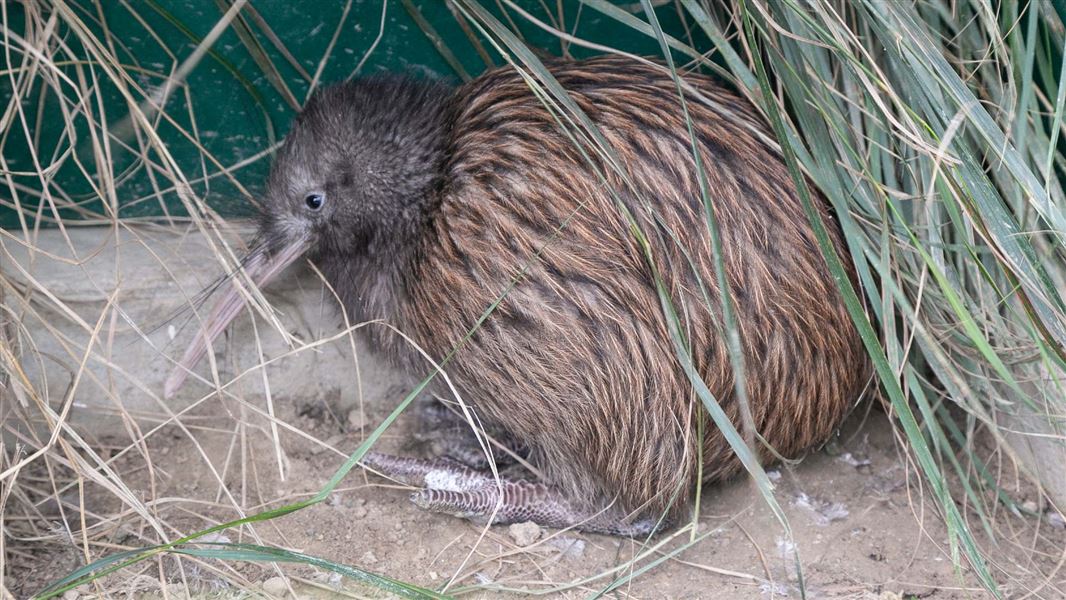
452, 488
435, 473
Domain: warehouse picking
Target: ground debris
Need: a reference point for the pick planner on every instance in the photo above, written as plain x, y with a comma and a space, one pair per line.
852, 460
824, 512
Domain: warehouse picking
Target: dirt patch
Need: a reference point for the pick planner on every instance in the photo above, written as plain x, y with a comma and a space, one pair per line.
861, 522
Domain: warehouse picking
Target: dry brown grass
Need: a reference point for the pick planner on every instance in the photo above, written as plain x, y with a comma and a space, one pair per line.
942, 233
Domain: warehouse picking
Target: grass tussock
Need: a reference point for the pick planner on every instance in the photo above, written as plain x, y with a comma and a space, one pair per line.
933, 127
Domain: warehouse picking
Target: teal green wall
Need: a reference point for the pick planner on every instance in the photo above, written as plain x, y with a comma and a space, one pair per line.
238, 110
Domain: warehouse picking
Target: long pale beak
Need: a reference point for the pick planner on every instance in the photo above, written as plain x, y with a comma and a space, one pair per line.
261, 268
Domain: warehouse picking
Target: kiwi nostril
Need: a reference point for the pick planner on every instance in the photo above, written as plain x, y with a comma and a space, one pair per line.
314, 201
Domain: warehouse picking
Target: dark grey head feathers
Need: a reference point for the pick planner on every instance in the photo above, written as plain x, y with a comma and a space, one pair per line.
358, 167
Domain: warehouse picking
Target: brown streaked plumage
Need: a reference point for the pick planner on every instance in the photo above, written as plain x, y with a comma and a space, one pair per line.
435, 199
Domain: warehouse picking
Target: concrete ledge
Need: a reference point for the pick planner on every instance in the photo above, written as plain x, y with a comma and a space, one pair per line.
126, 281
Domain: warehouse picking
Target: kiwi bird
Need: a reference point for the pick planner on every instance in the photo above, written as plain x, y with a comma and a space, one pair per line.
423, 204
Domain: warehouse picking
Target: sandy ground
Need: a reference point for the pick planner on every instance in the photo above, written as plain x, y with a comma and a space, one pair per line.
857, 512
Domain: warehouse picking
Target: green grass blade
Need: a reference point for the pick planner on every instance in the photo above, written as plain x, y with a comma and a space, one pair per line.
956, 525
256, 553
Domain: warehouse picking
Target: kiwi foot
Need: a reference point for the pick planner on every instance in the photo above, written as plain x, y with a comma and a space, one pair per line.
449, 434
452, 488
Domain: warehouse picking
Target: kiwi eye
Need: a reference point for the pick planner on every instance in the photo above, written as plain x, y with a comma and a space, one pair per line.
314, 201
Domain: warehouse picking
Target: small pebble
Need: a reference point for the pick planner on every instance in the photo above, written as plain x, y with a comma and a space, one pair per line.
1056, 519
359, 512
327, 578
524, 534
368, 558
571, 548
276, 586
70, 595
433, 576
356, 419
1029, 505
